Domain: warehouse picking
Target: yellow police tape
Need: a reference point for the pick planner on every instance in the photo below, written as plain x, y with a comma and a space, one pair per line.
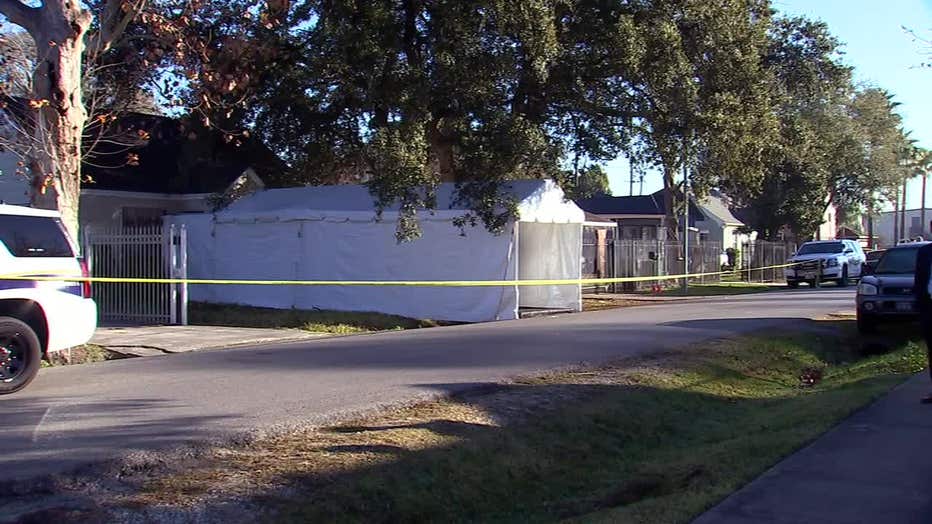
399, 283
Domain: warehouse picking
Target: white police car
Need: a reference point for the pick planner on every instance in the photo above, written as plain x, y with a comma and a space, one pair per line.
38, 317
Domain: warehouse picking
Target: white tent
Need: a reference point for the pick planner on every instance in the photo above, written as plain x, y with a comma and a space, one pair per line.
331, 233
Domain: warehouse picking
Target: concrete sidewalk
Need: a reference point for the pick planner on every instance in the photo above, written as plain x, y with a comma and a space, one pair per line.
874, 467
145, 341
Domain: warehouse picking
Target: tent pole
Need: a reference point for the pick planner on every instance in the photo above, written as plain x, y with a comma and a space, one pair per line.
517, 237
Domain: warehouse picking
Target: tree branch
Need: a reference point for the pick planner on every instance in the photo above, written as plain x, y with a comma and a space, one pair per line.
20, 14
113, 24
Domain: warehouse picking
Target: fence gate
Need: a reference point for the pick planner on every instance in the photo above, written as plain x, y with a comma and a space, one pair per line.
157, 252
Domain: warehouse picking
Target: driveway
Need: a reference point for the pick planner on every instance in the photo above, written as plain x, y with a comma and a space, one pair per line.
76, 415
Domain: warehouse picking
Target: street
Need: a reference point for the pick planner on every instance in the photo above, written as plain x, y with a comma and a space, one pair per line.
73, 416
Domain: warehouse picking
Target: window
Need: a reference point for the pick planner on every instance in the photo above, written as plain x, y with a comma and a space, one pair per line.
26, 236
898, 262
821, 248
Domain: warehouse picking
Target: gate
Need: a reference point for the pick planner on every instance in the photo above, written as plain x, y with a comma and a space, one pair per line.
150, 252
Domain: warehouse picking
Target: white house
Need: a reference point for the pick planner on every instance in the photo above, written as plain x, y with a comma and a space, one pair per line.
884, 227
719, 224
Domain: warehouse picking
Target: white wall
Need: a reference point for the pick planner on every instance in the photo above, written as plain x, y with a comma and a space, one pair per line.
884, 226
104, 209
829, 227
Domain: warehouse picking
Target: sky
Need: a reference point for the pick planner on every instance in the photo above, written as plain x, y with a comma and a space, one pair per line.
882, 54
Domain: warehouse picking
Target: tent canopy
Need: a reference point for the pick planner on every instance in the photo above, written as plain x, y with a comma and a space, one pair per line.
331, 233
538, 201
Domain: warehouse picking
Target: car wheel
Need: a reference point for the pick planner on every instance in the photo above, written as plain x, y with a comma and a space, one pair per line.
20, 354
843, 281
792, 284
867, 324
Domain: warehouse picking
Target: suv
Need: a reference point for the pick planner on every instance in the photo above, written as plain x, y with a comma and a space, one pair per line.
818, 261
887, 293
38, 317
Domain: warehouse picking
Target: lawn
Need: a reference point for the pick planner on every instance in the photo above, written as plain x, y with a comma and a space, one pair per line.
652, 440
318, 321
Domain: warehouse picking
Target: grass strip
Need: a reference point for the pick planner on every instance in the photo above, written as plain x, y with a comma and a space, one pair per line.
653, 440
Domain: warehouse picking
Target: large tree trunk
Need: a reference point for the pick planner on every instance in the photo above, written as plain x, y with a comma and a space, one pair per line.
56, 167
672, 224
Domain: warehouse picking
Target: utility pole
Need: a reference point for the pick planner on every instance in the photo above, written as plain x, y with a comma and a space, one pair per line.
903, 231
686, 216
631, 169
922, 212
896, 217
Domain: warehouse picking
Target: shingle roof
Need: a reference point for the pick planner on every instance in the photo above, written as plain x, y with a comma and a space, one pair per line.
714, 204
627, 205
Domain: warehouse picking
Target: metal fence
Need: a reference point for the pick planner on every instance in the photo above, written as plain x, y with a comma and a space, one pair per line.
762, 254
654, 258
150, 252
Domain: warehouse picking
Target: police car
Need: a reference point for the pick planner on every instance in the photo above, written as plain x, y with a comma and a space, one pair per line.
38, 317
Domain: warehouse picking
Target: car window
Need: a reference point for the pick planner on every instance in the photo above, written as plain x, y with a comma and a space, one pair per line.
898, 262
821, 248
26, 236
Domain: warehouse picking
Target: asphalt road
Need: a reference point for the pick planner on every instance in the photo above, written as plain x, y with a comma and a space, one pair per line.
73, 416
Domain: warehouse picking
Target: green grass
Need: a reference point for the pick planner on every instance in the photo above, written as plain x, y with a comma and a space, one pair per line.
318, 321
656, 441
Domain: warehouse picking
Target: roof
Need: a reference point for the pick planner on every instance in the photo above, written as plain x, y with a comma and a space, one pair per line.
644, 205
538, 200
714, 204
175, 156
178, 158
627, 205
596, 219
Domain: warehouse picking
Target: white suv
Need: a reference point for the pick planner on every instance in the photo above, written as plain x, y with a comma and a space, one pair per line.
38, 317
826, 260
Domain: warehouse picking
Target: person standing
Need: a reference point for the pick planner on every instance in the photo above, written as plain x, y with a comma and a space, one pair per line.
923, 291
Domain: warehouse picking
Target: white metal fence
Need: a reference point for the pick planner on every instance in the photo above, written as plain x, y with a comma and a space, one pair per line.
147, 252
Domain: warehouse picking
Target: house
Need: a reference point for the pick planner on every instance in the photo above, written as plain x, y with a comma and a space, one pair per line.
638, 217
335, 233
645, 218
149, 166
719, 224
885, 228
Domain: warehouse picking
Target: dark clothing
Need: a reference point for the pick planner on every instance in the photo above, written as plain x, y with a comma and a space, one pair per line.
923, 300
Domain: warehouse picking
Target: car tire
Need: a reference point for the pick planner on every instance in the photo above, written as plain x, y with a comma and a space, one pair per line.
844, 280
867, 324
20, 355
792, 284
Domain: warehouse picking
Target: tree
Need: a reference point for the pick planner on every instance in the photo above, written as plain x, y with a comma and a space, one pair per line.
588, 182
196, 50
808, 90
704, 103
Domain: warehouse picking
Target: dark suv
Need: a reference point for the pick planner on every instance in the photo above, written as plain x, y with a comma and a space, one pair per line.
887, 294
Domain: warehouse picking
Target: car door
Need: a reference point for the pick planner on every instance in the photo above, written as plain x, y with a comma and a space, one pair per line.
855, 258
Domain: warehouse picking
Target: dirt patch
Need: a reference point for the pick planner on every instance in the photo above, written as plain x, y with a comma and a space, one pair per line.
86, 354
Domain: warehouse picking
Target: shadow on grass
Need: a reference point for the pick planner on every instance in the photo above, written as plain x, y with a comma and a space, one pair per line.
660, 444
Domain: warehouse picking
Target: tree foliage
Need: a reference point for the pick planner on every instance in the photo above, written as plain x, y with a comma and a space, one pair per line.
837, 144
